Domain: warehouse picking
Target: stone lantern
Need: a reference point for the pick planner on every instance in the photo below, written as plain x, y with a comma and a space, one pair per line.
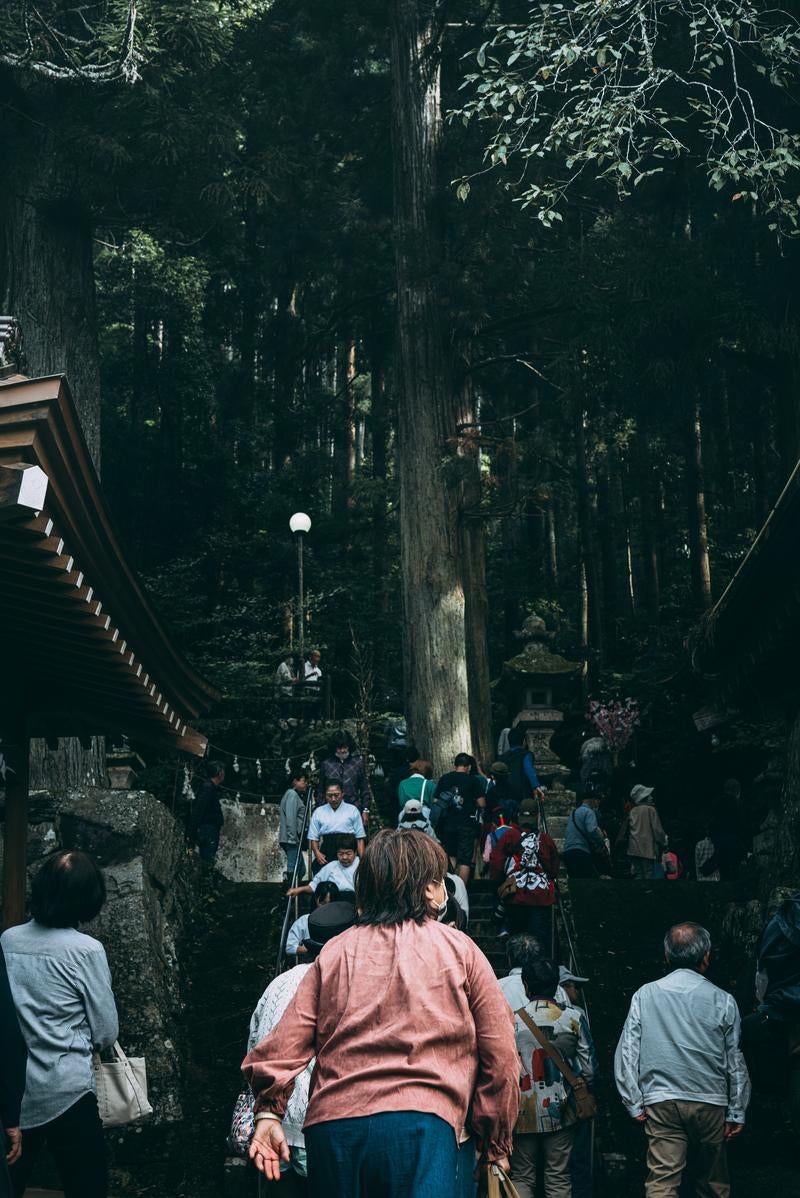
539, 682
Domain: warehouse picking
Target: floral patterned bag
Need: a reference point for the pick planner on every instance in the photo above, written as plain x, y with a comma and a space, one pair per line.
243, 1122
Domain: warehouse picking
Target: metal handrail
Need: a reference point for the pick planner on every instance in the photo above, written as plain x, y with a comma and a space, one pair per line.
562, 913
293, 882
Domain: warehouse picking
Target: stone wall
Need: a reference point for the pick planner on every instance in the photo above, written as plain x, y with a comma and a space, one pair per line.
151, 886
248, 847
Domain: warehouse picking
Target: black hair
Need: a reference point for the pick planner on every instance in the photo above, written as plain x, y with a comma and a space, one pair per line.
298, 775
540, 978
214, 768
463, 759
68, 889
516, 737
326, 892
346, 840
339, 738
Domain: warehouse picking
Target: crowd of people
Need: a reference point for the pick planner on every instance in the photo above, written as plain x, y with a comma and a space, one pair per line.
411, 1041
484, 819
389, 1060
606, 838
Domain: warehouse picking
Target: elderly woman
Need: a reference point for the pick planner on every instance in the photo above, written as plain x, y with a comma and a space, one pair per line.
410, 1031
61, 986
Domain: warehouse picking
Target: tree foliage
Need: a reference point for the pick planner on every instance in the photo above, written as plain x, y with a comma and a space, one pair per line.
623, 90
238, 201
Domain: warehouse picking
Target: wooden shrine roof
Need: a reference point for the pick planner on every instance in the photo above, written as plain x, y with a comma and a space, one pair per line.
751, 637
82, 651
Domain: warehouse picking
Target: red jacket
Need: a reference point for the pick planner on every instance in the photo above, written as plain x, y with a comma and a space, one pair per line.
510, 847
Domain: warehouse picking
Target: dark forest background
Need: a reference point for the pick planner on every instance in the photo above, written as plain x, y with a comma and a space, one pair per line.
633, 369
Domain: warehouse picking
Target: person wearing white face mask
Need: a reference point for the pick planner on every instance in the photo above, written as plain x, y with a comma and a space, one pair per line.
345, 766
445, 1061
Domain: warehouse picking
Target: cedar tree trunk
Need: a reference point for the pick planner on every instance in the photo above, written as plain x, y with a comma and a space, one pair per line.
435, 667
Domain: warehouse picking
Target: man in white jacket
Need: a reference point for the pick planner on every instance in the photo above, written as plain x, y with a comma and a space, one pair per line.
680, 1070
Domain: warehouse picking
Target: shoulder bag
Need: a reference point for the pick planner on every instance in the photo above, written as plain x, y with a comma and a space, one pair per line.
585, 1105
499, 1184
121, 1088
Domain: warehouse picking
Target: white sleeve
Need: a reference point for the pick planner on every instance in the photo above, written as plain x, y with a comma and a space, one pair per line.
738, 1077
626, 1061
297, 934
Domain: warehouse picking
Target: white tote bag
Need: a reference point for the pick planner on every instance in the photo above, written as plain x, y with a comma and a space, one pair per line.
121, 1088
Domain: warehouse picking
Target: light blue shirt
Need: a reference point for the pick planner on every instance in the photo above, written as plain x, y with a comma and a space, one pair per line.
298, 932
582, 830
61, 985
325, 821
345, 879
681, 1042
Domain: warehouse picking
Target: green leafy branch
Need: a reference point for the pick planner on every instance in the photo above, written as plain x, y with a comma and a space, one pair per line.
621, 88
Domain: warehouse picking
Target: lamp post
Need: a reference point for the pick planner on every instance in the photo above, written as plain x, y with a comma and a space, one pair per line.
299, 524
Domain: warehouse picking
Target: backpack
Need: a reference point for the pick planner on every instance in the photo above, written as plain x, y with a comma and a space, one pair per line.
671, 865
526, 866
519, 787
448, 800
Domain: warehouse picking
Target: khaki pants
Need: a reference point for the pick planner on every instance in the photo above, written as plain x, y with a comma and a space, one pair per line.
671, 1128
555, 1148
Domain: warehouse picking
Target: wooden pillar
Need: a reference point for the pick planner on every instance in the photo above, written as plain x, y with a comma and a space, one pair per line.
16, 752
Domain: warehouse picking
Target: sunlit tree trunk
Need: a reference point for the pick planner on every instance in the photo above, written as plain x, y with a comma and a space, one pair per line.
435, 667
473, 577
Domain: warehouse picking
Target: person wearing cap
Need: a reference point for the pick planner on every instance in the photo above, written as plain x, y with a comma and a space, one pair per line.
584, 843
342, 871
396, 1081
570, 983
325, 892
580, 1161
643, 834
328, 921
419, 784
532, 858
414, 817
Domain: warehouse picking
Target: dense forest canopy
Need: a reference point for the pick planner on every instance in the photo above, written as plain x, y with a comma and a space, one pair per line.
587, 416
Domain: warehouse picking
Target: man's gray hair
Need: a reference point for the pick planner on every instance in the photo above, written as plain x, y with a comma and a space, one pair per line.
686, 944
523, 949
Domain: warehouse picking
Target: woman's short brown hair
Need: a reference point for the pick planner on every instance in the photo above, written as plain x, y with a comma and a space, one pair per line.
396, 867
422, 767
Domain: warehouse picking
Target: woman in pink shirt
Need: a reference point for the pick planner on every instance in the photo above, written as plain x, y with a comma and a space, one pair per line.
413, 1039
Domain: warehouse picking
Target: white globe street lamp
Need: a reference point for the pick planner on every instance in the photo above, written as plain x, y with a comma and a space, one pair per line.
299, 524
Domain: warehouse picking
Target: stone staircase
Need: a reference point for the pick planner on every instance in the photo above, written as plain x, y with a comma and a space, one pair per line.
558, 804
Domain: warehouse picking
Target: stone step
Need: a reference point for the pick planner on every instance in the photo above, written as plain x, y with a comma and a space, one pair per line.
558, 802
